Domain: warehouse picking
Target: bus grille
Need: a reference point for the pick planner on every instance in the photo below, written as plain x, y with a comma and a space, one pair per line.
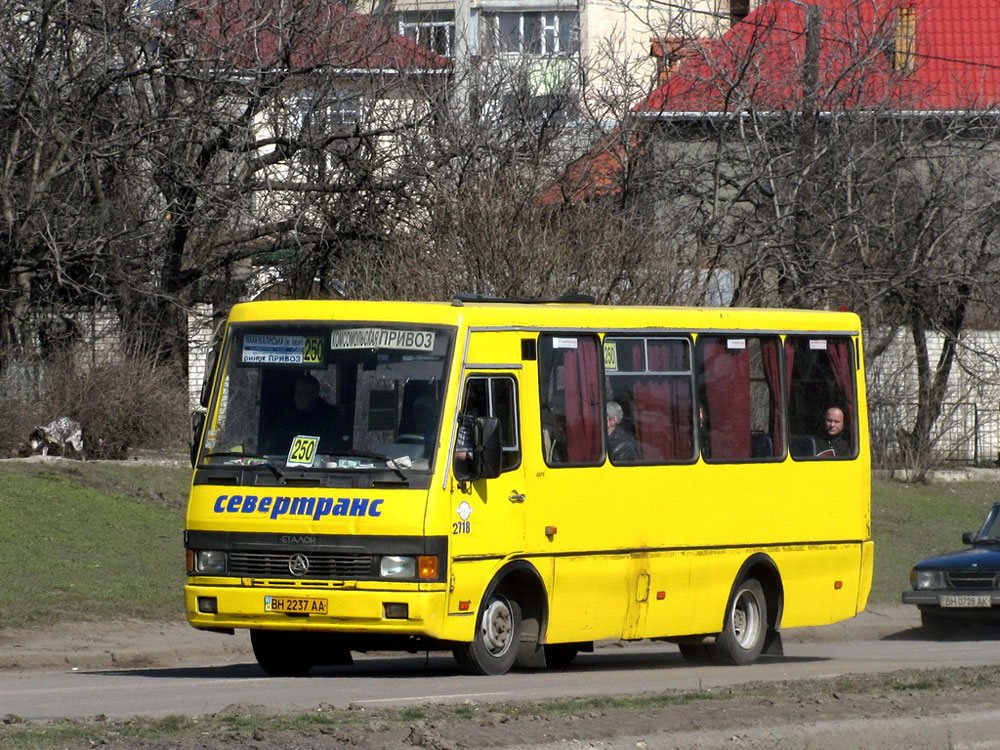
972, 579
323, 565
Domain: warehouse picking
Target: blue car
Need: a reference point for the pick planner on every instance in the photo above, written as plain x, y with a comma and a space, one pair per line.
960, 588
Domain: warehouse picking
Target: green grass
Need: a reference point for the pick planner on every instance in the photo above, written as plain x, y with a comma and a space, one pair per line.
912, 521
90, 541
103, 540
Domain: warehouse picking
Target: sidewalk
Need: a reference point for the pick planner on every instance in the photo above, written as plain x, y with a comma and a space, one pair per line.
133, 644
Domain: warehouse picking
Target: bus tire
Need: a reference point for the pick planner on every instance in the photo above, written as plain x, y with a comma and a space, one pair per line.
279, 654
498, 634
745, 626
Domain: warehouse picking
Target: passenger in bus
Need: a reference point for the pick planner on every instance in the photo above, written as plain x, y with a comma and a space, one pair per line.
312, 415
621, 443
425, 421
832, 441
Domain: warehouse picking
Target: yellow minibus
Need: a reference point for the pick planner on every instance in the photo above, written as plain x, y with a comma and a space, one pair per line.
514, 480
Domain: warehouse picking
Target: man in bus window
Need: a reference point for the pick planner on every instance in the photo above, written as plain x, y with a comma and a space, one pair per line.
832, 441
621, 444
312, 415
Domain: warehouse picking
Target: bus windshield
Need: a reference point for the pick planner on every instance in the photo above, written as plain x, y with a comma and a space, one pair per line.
320, 396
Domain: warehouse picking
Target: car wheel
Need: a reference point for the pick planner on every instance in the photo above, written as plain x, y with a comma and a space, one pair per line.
498, 635
745, 626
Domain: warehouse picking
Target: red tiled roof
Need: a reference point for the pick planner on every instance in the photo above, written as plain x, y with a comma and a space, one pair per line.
759, 61
593, 175
301, 34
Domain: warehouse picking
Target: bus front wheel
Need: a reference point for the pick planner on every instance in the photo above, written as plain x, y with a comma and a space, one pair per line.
745, 626
498, 635
280, 654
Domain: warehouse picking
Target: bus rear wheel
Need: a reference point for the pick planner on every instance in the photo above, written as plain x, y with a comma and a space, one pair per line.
280, 654
498, 636
745, 626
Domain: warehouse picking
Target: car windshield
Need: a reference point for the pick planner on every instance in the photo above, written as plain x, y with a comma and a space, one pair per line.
990, 533
325, 397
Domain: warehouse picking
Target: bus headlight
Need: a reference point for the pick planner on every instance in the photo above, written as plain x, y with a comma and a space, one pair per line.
927, 579
210, 561
396, 566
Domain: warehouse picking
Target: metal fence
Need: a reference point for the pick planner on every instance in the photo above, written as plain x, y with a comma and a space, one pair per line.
967, 432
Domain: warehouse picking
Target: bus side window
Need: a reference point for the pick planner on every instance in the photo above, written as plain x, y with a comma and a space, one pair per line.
821, 373
569, 384
650, 377
741, 407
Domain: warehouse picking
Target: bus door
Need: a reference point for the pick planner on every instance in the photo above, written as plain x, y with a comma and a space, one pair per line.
487, 515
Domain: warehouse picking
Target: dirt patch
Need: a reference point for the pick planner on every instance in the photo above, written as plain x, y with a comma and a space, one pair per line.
921, 709
133, 643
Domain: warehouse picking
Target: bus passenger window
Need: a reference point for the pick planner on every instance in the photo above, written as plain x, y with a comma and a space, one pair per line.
740, 409
569, 395
822, 397
651, 379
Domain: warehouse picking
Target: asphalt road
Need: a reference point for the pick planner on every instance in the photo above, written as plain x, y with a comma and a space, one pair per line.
402, 680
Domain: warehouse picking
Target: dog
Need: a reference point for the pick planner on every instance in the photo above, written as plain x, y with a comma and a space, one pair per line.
62, 434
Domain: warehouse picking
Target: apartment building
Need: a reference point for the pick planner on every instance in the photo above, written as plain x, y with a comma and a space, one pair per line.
557, 39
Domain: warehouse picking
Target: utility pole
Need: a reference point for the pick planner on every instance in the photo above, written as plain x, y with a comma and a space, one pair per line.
804, 227
462, 61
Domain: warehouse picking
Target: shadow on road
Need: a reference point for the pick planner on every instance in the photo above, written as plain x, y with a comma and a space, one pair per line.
438, 664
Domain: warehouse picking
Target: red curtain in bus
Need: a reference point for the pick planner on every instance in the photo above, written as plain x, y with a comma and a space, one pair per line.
727, 396
770, 354
662, 406
839, 350
584, 424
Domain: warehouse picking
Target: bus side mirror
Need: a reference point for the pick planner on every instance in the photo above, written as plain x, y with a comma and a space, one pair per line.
482, 460
197, 427
211, 360
968, 537
491, 451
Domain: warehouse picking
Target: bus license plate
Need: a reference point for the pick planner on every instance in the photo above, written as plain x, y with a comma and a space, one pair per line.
960, 600
295, 605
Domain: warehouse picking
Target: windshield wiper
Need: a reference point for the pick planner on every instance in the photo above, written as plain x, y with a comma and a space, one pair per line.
263, 461
389, 461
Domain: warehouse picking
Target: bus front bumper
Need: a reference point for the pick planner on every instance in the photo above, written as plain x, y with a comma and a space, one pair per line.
380, 611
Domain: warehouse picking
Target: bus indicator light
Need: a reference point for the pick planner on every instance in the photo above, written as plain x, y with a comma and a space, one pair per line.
427, 566
838, 585
464, 606
661, 595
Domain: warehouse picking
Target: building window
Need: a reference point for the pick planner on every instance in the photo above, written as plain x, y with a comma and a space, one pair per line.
547, 32
905, 49
325, 124
738, 10
434, 29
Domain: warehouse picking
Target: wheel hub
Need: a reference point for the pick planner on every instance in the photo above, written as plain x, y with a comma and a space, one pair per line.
497, 627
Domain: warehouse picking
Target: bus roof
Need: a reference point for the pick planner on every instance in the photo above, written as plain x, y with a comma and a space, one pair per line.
560, 315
